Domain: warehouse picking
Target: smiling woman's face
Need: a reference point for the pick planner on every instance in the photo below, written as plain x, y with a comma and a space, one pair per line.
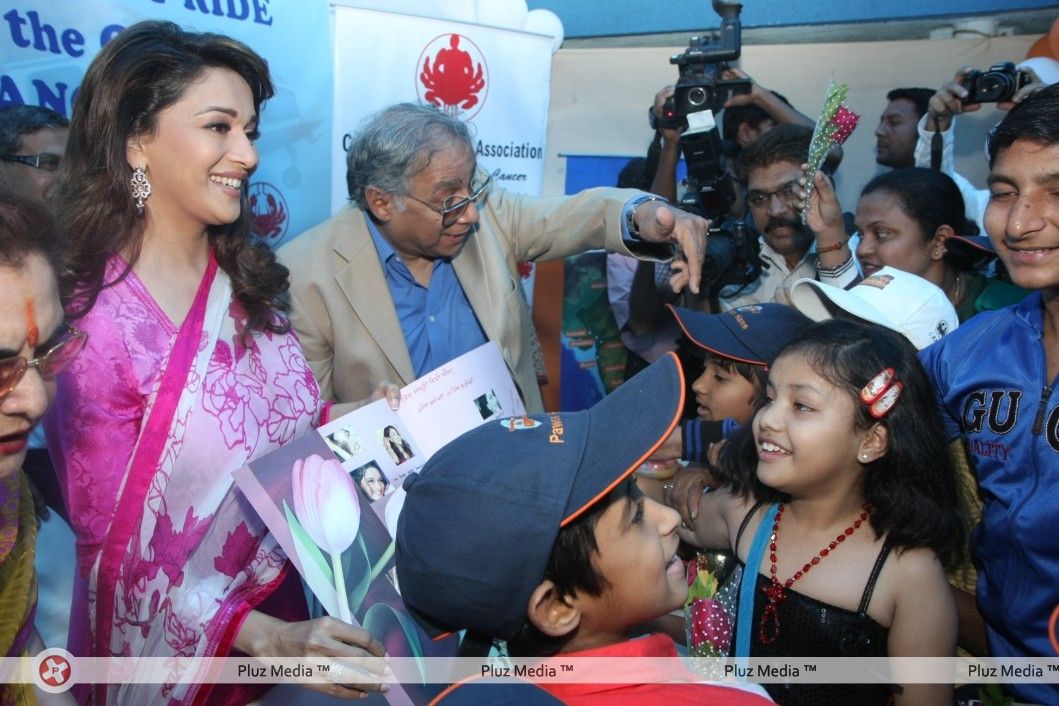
373, 484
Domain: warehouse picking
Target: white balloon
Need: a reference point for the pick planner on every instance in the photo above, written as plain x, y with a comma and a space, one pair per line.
1047, 70
510, 14
545, 22
458, 10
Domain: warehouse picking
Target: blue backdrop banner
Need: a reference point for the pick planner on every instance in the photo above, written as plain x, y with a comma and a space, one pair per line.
46, 46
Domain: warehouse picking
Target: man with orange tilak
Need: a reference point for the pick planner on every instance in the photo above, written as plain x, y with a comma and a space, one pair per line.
35, 346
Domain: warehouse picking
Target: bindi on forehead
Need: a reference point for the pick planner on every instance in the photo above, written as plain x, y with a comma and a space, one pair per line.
32, 332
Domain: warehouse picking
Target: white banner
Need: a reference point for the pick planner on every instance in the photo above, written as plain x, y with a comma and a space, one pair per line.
46, 47
497, 80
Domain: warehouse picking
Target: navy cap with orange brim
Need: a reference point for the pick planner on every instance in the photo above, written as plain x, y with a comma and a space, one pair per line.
752, 334
976, 244
480, 520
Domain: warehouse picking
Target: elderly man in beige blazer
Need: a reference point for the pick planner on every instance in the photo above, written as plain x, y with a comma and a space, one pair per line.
427, 239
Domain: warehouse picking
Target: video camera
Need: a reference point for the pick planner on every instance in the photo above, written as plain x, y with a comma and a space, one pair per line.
996, 84
731, 254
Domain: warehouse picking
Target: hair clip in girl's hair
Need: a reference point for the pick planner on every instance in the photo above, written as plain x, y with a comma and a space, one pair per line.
877, 386
881, 393
882, 406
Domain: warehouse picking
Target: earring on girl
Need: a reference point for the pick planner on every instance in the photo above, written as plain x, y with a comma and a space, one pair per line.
141, 189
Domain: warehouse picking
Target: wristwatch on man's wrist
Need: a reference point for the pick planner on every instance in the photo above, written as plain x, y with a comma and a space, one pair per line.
630, 220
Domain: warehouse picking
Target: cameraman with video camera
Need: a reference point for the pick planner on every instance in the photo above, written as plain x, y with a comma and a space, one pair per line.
742, 267
1004, 84
771, 168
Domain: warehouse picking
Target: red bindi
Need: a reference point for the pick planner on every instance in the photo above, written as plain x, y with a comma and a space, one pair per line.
32, 333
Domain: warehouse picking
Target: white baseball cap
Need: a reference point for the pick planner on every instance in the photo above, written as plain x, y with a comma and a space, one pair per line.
898, 300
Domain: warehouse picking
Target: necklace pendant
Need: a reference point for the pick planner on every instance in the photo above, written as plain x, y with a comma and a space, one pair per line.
769, 629
775, 593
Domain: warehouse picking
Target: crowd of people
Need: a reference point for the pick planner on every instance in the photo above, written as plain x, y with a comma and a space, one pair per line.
856, 447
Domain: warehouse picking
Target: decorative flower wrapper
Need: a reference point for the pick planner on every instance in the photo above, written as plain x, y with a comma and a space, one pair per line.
707, 622
834, 126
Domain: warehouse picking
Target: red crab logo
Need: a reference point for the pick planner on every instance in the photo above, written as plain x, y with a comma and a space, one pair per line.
268, 212
453, 76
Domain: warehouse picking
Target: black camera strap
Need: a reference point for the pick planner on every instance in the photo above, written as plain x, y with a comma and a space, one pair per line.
936, 144
935, 151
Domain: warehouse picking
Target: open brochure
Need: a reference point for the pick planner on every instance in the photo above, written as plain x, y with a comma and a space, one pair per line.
332, 497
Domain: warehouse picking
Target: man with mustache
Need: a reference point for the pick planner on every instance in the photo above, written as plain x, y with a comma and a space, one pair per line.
771, 167
422, 266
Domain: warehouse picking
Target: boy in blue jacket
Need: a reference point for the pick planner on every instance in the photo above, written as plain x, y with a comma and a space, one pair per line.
996, 380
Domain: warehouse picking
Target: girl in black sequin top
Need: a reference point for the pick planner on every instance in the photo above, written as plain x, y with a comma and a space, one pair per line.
846, 476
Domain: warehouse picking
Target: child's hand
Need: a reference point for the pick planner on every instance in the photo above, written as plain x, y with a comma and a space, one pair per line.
684, 490
713, 452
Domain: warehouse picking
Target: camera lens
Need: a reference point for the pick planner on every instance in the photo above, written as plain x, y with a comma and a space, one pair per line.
721, 252
994, 86
696, 96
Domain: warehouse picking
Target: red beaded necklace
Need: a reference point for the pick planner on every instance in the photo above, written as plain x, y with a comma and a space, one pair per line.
775, 592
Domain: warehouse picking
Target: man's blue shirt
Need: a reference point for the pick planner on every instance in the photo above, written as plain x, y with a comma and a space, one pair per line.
437, 321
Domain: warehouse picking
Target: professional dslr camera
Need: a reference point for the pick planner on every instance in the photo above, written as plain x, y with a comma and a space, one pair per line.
996, 84
731, 254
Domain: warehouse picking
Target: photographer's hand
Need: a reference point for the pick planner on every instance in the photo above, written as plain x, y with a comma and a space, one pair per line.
754, 95
664, 182
948, 101
657, 222
669, 135
1025, 92
781, 113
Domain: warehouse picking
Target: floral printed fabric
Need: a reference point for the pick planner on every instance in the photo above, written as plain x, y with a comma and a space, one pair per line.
199, 552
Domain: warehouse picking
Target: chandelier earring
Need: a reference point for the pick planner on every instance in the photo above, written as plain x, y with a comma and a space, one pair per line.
141, 189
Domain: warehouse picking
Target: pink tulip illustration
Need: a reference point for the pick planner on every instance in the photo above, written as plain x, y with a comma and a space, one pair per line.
326, 505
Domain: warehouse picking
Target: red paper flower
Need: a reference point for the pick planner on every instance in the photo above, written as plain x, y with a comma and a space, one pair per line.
844, 121
711, 628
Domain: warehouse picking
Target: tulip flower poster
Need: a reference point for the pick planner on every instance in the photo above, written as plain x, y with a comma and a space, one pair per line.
331, 498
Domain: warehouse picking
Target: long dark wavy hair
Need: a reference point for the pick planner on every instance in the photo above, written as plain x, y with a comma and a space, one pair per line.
913, 488
142, 71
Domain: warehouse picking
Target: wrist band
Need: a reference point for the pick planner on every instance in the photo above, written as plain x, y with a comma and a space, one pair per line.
832, 247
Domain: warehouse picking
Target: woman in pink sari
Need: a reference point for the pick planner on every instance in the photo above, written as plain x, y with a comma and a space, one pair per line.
190, 371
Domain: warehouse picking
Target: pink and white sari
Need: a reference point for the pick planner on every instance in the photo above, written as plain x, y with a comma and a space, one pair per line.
148, 425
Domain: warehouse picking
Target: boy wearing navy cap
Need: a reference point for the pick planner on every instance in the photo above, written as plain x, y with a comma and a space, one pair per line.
530, 530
